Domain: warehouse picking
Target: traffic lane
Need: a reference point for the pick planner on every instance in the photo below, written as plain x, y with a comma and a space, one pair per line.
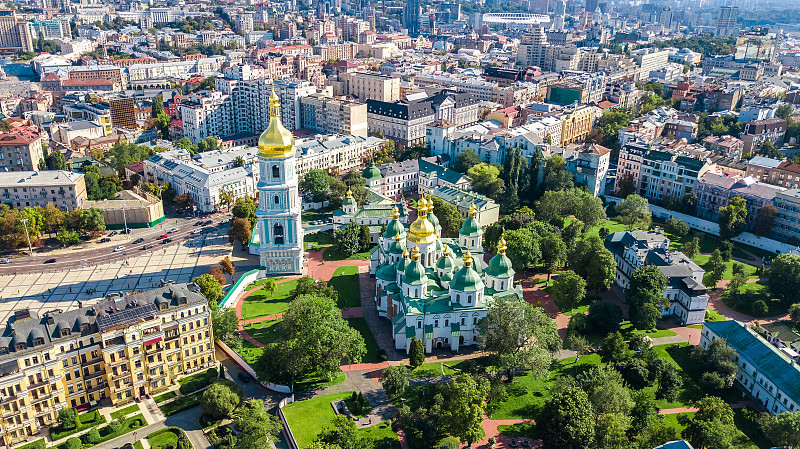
102, 255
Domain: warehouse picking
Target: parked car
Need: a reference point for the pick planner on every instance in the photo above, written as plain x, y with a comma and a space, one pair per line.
167, 240
208, 222
105, 239
50, 261
197, 231
244, 377
113, 233
329, 220
139, 240
5, 261
162, 236
198, 223
125, 231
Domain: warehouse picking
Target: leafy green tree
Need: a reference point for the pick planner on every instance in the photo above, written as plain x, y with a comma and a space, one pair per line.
68, 418
464, 408
554, 206
691, 247
317, 339
732, 218
715, 269
556, 176
224, 322
794, 314
240, 230
518, 335
93, 437
712, 426
465, 160
310, 286
783, 430
644, 412
568, 290
66, 237
342, 433
614, 349
716, 363
612, 429
634, 211
483, 176
609, 125
55, 161
98, 186
123, 153
448, 442
449, 218
613, 397
677, 226
627, 185
784, 111
593, 262
784, 278
554, 253
394, 380
316, 183
533, 177
348, 239
604, 316
656, 434
364, 238
511, 175
765, 219
416, 354
567, 420
221, 398
258, 429
245, 208
74, 443
523, 248
208, 144
768, 149
209, 287
157, 107
646, 287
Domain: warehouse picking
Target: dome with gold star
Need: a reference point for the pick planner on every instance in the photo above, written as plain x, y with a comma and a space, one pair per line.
276, 140
422, 230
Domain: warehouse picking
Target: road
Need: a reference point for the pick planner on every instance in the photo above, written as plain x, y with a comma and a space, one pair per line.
103, 255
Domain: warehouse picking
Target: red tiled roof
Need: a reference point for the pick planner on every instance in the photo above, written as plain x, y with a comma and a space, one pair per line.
51, 77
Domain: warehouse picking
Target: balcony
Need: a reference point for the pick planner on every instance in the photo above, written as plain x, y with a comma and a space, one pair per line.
98, 387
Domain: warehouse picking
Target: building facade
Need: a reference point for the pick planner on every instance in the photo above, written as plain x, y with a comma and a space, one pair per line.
20, 151
65, 190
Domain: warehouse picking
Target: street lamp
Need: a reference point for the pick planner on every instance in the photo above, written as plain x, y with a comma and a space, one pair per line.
25, 223
125, 221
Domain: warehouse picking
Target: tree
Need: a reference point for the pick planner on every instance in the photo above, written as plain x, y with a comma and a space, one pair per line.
157, 107
644, 294
732, 218
519, 336
184, 201
240, 230
221, 398
715, 269
609, 125
604, 316
554, 206
483, 176
677, 227
342, 433
93, 437
568, 290
257, 428
73, 443
464, 408
567, 420
691, 247
611, 397
348, 239
511, 176
269, 285
644, 412
98, 186
784, 111
465, 160
416, 354
784, 278
312, 337
669, 383
712, 426
533, 178
216, 272
626, 185
523, 248
716, 360
634, 211
688, 204
210, 287
364, 238
224, 322
55, 161
226, 198
227, 267
612, 431
68, 418
394, 380
448, 442
593, 262
66, 237
449, 218
556, 176
554, 253
208, 144
245, 208
765, 219
614, 349
53, 217
316, 183
794, 314
784, 429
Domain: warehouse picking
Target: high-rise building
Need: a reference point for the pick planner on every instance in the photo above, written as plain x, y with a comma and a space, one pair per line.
15, 36
532, 50
539, 6
726, 22
280, 231
411, 11
592, 5
244, 23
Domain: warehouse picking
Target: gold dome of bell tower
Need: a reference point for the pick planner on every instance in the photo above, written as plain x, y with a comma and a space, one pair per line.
276, 140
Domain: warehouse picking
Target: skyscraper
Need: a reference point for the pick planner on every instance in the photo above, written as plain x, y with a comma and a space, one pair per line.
591, 5
726, 22
411, 17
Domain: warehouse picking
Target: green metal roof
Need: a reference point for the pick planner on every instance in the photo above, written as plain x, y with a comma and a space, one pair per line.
415, 274
766, 358
371, 172
386, 273
429, 170
471, 228
467, 280
500, 267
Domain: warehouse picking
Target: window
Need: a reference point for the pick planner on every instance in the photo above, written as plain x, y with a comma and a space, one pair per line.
276, 172
278, 232
276, 199
419, 324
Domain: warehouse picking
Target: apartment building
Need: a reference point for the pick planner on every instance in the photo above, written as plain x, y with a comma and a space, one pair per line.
321, 113
336, 153
728, 146
122, 348
207, 114
768, 370
336, 51
66, 190
588, 163
759, 131
97, 72
650, 60
577, 122
20, 150
663, 171
370, 86
685, 291
15, 36
405, 120
772, 171
97, 113
716, 190
787, 223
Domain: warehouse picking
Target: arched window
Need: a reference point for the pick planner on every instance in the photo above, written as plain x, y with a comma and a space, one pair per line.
276, 199
278, 232
276, 172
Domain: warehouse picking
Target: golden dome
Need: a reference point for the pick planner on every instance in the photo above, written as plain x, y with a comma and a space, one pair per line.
422, 207
405, 254
397, 237
467, 259
415, 254
395, 213
422, 230
472, 210
501, 245
276, 140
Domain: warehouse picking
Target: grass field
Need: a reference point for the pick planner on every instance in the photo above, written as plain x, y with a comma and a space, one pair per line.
250, 352
261, 303
165, 397
319, 214
264, 331
761, 291
180, 404
260, 282
164, 438
307, 418
333, 253
373, 351
87, 420
382, 436
317, 240
125, 411
345, 281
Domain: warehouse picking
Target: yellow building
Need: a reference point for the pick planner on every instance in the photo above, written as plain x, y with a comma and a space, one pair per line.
120, 349
578, 122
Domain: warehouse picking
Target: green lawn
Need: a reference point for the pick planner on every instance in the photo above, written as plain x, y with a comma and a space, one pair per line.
106, 433
345, 281
373, 351
628, 330
264, 331
180, 404
164, 438
87, 420
518, 430
125, 411
761, 291
612, 225
138, 445
315, 380
165, 397
333, 253
319, 214
695, 326
250, 352
308, 418
713, 315
260, 282
382, 436
261, 303
427, 370
317, 240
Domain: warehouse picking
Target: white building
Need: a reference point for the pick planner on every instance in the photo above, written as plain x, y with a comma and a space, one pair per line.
331, 152
685, 290
650, 60
208, 113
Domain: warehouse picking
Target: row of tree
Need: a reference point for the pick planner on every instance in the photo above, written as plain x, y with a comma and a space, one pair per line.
66, 227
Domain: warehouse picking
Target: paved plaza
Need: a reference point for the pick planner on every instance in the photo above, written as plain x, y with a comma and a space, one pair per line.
62, 289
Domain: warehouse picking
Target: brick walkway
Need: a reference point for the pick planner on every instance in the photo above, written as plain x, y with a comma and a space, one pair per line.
670, 411
502, 441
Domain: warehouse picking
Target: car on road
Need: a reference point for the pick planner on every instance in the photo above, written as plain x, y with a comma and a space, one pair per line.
244, 377
208, 222
198, 223
5, 261
197, 231
139, 240
113, 233
105, 239
173, 230
223, 222
119, 248
50, 261
162, 236
167, 240
329, 220
146, 247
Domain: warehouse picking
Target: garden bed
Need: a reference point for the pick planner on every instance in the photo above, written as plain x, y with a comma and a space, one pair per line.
87, 420
180, 404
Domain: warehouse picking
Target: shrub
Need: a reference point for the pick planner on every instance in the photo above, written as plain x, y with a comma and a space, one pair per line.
760, 308
74, 443
116, 425
604, 316
93, 436
712, 381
